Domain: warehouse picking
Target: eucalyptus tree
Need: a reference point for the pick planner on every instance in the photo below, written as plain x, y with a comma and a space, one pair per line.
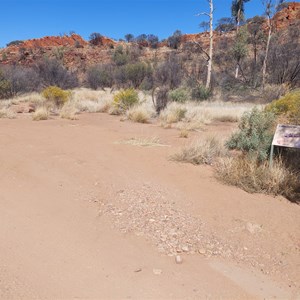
271, 7
238, 13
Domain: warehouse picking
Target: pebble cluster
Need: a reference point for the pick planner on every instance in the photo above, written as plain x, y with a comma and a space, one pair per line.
146, 212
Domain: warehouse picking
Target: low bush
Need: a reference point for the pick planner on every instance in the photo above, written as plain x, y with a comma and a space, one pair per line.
5, 86
180, 95
21, 79
287, 106
52, 73
136, 73
200, 93
120, 56
254, 137
125, 99
272, 92
99, 76
56, 95
203, 152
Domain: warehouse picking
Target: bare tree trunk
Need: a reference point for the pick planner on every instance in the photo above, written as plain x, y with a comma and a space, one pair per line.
237, 32
237, 71
264, 70
211, 40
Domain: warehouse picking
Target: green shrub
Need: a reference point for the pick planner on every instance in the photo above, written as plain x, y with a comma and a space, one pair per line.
56, 95
179, 95
200, 93
99, 76
5, 87
287, 106
125, 99
147, 84
14, 43
255, 134
120, 57
135, 73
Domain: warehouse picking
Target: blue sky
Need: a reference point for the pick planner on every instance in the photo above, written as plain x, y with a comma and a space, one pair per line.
25, 19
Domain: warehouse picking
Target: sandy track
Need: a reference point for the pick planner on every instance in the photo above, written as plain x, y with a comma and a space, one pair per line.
55, 178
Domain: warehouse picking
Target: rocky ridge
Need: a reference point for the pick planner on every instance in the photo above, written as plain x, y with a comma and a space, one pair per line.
78, 54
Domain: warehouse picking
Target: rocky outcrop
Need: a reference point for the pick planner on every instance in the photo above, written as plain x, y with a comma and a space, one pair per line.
287, 17
78, 54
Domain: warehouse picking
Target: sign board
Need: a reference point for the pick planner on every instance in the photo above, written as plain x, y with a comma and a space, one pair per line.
287, 136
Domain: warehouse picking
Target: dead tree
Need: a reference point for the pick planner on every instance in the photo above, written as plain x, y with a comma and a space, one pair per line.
209, 55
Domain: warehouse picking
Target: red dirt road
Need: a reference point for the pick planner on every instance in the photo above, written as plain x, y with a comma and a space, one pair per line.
57, 243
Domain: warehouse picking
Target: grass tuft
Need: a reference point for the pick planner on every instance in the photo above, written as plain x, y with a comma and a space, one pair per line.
6, 113
203, 152
69, 112
139, 114
254, 177
143, 142
40, 114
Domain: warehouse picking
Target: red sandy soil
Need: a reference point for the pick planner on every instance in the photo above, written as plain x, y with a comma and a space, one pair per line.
57, 241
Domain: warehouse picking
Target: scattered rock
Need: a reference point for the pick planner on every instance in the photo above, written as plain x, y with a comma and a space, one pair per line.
253, 228
178, 259
202, 251
185, 248
23, 108
138, 270
157, 271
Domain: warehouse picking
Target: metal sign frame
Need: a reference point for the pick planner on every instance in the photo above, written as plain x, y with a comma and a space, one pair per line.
287, 136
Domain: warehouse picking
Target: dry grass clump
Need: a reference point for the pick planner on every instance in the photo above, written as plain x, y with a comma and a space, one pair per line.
5, 103
143, 142
7, 113
141, 113
34, 98
82, 94
253, 177
90, 101
138, 114
173, 113
69, 111
193, 115
202, 152
41, 113
92, 106
184, 133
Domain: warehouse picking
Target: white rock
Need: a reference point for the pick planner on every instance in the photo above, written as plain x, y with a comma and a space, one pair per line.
202, 251
185, 248
157, 271
253, 228
178, 259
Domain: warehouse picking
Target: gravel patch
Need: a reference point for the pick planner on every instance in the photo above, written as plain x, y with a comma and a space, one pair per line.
148, 212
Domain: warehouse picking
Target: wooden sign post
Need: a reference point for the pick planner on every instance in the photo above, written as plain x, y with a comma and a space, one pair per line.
285, 136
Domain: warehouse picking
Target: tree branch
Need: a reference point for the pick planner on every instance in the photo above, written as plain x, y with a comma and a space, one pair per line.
203, 13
